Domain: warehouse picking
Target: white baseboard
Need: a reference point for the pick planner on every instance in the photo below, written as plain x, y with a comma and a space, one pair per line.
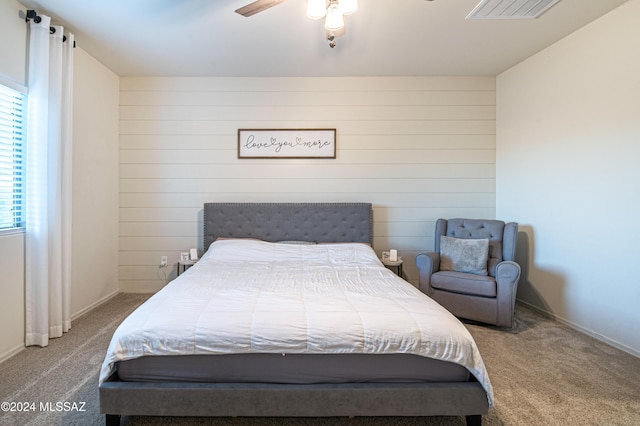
11, 352
144, 287
94, 305
582, 329
5, 356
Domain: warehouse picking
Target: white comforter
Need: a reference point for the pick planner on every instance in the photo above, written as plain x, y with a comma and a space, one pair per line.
248, 296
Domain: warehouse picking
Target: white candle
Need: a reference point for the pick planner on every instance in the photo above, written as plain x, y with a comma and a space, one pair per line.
393, 255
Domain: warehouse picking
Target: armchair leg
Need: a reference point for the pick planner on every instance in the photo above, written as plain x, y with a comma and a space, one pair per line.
112, 420
475, 420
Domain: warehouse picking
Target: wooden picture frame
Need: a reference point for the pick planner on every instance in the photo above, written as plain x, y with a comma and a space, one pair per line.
286, 143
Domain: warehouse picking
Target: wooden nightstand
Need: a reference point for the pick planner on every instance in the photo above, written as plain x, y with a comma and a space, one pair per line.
183, 265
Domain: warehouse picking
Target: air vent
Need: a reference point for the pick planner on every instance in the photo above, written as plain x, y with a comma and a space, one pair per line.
510, 9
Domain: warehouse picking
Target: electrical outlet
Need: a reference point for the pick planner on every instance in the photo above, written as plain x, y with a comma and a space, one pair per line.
163, 261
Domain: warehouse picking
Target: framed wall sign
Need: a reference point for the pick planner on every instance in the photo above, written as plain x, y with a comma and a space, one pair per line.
286, 143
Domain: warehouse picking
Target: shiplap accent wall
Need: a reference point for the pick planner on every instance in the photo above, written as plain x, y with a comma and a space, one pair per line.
418, 148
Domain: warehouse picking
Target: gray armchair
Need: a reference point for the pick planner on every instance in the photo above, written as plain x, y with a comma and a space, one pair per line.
475, 296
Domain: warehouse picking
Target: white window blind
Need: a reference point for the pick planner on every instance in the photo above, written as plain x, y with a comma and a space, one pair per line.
12, 137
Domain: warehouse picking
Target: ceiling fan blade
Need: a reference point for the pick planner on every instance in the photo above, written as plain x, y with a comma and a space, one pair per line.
257, 6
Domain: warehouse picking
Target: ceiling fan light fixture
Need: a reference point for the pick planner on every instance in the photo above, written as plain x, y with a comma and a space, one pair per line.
335, 20
316, 9
348, 7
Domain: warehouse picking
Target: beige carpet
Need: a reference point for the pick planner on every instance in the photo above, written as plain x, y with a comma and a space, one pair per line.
543, 373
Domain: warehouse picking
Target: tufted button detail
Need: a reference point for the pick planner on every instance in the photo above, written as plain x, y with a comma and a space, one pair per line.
289, 221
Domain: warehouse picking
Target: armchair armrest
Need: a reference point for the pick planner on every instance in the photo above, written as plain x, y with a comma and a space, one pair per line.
427, 264
507, 276
508, 272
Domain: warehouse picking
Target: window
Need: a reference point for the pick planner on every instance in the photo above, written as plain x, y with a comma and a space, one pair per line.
12, 137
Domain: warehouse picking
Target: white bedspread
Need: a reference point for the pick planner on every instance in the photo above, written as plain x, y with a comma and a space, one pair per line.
248, 296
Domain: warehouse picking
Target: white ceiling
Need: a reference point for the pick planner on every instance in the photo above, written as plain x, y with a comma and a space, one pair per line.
385, 37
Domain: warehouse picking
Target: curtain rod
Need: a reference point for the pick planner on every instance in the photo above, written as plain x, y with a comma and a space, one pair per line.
32, 14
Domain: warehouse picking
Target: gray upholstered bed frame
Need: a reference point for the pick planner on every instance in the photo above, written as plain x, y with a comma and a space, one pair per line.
320, 222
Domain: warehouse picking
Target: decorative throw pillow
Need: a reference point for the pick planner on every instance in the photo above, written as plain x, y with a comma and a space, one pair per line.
464, 255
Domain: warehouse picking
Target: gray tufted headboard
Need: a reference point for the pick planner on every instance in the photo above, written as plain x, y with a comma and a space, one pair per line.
318, 222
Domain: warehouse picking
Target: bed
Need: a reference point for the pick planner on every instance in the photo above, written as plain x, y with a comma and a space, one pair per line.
290, 313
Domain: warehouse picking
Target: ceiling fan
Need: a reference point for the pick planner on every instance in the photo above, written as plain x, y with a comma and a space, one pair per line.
257, 7
333, 10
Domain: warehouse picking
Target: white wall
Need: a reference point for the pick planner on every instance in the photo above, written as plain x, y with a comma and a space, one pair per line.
11, 295
95, 186
568, 144
12, 49
417, 148
12, 69
95, 183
